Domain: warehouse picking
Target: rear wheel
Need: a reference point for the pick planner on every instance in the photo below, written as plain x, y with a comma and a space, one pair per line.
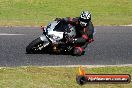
35, 46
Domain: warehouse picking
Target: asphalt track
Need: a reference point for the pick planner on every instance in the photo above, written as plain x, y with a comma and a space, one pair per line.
112, 46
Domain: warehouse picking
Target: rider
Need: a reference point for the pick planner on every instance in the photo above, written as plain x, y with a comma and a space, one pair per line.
84, 29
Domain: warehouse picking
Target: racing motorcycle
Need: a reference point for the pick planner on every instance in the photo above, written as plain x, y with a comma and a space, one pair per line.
54, 39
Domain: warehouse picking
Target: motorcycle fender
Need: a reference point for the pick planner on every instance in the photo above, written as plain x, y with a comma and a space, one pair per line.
43, 38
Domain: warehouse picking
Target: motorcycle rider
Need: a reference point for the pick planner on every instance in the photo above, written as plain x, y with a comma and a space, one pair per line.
84, 29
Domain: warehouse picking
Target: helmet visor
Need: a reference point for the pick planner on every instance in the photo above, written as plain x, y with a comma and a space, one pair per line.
83, 23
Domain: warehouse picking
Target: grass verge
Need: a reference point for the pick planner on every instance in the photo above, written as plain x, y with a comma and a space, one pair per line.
55, 77
38, 12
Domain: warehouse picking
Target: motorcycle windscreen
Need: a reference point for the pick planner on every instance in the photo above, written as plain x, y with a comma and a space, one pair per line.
61, 27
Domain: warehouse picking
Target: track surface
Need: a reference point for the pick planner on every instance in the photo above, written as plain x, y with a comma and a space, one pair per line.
112, 46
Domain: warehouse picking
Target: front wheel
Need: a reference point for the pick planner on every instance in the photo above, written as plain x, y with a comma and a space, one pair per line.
35, 46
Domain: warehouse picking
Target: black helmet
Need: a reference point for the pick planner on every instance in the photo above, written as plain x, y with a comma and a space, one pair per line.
84, 18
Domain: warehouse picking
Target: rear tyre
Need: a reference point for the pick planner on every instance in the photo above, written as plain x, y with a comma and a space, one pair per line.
35, 46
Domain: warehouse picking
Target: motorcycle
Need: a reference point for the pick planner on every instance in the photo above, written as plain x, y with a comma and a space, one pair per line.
54, 39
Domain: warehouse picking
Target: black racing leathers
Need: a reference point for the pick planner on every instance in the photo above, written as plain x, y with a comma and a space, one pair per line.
83, 33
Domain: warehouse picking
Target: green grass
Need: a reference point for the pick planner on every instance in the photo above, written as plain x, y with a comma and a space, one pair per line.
59, 77
39, 12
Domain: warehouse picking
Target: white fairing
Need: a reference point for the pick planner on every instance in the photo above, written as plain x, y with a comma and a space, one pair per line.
43, 38
58, 35
72, 32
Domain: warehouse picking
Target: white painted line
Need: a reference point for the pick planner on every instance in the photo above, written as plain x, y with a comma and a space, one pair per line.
92, 66
10, 34
126, 25
69, 66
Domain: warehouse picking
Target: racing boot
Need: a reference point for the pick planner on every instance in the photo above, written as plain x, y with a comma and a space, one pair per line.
78, 51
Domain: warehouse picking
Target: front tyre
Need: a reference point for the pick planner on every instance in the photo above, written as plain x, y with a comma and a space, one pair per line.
35, 46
